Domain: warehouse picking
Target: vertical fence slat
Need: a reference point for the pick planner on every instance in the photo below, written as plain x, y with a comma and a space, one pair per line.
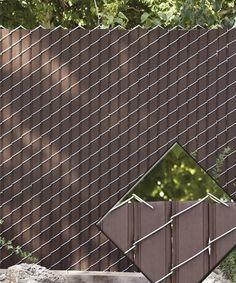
190, 234
155, 261
219, 226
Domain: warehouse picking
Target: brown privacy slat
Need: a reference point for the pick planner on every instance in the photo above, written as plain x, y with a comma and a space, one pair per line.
219, 227
221, 84
190, 234
91, 112
118, 223
193, 88
212, 88
156, 248
230, 81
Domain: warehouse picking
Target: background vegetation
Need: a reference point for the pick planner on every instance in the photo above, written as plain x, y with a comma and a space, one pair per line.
7, 244
177, 176
110, 13
228, 266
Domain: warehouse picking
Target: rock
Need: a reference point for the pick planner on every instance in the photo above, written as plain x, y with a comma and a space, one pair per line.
2, 277
216, 277
32, 273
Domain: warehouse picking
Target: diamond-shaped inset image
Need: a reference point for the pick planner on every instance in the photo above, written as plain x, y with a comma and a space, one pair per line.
176, 224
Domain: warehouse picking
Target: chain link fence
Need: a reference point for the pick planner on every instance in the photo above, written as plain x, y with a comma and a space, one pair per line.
84, 113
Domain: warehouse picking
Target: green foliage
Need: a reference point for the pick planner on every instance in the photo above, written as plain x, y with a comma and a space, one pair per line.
220, 162
178, 177
16, 249
109, 13
228, 266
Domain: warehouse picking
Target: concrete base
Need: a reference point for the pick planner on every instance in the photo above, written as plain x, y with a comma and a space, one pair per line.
99, 277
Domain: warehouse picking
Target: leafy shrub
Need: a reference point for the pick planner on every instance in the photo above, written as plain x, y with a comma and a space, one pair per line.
7, 244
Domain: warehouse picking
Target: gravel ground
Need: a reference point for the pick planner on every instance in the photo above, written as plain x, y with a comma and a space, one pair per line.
31, 273
216, 277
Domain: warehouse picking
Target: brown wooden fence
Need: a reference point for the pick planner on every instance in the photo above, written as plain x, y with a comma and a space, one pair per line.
85, 113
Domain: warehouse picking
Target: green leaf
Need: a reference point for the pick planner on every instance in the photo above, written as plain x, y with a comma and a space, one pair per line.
122, 16
110, 19
2, 241
234, 26
9, 247
177, 150
169, 15
162, 16
144, 17
119, 21
217, 4
156, 22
